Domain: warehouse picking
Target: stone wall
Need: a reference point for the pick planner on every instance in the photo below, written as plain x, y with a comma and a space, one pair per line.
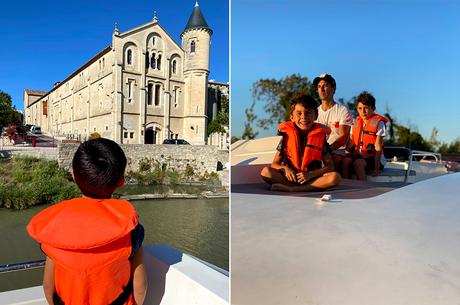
36, 152
202, 158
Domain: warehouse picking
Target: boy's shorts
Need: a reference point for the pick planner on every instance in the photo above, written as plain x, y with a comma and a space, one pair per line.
370, 163
338, 152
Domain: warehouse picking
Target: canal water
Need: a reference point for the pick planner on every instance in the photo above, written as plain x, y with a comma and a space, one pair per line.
195, 226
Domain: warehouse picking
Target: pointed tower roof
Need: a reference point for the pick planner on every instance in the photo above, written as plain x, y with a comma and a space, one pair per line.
196, 20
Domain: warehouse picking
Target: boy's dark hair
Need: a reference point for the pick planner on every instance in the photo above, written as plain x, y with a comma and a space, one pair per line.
307, 101
366, 99
98, 166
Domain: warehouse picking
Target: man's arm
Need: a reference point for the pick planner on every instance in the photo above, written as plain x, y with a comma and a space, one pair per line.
344, 133
139, 276
48, 280
378, 152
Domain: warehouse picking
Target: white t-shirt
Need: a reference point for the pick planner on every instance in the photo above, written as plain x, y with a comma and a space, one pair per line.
334, 117
381, 131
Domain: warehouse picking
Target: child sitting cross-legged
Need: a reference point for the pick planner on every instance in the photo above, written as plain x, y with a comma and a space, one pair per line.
298, 162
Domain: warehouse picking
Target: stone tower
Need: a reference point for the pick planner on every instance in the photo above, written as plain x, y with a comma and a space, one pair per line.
196, 42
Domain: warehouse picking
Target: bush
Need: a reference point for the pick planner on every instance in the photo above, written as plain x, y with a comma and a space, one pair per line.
31, 181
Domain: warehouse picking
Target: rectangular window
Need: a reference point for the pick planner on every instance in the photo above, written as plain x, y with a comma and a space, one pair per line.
45, 108
157, 95
130, 90
176, 97
131, 135
125, 134
149, 93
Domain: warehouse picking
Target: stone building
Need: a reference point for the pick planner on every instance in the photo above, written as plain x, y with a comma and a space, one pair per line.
143, 88
217, 92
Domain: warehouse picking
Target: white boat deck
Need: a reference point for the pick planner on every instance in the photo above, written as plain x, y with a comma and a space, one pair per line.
173, 277
400, 247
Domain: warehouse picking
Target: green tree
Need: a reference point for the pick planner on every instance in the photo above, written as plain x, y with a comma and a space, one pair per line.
410, 138
222, 119
453, 147
276, 96
391, 128
234, 139
8, 113
433, 140
248, 132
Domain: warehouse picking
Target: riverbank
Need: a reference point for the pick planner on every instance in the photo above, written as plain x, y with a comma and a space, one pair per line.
28, 181
203, 195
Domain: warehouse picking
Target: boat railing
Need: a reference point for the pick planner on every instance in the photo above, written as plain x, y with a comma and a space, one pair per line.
400, 153
424, 155
21, 266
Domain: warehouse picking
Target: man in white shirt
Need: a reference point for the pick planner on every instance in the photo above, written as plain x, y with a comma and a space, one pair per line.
334, 115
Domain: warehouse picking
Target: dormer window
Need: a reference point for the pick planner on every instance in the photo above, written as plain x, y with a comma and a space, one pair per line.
129, 56
192, 47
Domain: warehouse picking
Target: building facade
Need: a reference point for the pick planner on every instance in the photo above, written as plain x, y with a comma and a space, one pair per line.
141, 89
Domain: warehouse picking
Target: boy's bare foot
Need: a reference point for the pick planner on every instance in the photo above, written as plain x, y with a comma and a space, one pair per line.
278, 187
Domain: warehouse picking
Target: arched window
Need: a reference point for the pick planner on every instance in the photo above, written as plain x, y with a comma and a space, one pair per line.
192, 47
153, 61
159, 62
147, 60
174, 64
130, 57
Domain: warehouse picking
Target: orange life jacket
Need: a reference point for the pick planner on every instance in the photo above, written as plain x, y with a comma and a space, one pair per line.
89, 241
364, 138
313, 149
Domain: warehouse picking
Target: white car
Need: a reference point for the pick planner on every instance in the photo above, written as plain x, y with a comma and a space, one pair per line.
36, 129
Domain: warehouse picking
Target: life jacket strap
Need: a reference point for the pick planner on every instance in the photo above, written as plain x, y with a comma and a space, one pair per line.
369, 132
313, 146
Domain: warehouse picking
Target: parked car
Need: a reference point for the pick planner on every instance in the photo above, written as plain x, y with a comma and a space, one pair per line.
176, 141
36, 129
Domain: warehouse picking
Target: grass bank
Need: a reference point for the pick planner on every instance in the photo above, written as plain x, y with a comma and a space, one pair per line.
28, 181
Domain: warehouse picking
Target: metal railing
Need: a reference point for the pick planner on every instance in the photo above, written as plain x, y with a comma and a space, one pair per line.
22, 266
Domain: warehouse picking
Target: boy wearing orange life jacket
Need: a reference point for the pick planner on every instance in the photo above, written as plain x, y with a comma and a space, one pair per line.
93, 244
298, 163
366, 151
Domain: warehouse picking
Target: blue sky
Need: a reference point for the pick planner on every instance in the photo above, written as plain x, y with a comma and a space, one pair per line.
406, 52
45, 41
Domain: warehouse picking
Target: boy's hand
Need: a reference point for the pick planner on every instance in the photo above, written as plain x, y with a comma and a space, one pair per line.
289, 174
349, 151
304, 177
